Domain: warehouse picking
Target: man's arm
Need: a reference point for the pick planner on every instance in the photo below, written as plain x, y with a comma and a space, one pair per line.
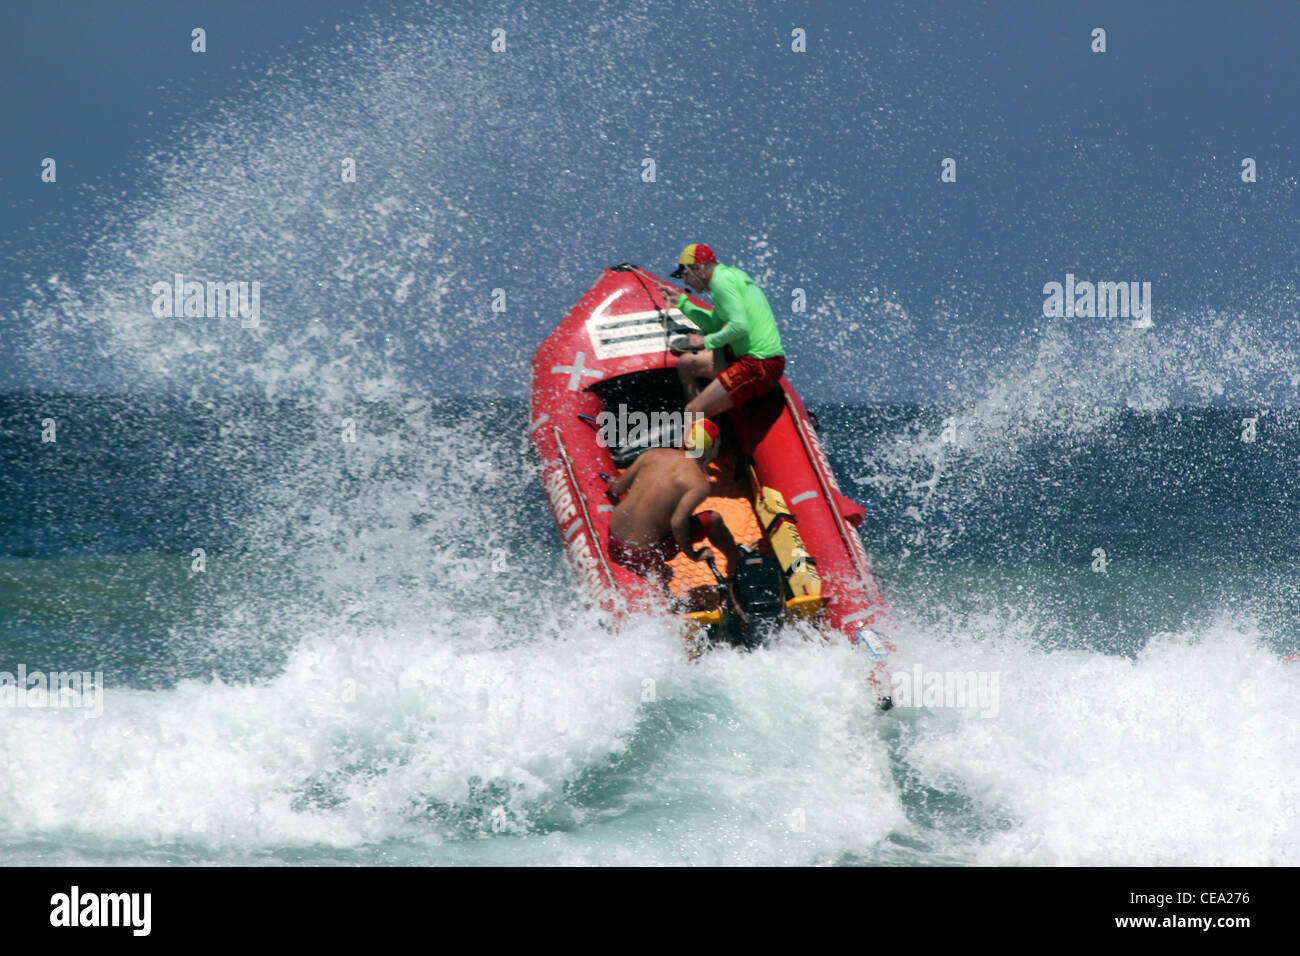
618, 486
682, 519
704, 318
727, 302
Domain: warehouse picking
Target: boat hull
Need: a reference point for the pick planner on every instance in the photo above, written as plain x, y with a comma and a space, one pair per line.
618, 331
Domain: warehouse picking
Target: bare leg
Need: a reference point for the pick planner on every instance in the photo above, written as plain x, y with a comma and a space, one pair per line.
712, 401
693, 369
699, 368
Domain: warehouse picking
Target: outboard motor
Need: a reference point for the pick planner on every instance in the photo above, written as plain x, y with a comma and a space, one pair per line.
753, 601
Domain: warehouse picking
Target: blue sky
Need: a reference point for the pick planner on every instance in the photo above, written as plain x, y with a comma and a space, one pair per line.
523, 170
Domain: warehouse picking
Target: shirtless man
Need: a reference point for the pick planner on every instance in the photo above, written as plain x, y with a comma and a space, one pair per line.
655, 520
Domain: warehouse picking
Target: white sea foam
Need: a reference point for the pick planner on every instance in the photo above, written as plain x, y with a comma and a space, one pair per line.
1182, 756
434, 711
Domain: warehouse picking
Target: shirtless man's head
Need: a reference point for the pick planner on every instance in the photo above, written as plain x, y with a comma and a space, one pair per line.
702, 442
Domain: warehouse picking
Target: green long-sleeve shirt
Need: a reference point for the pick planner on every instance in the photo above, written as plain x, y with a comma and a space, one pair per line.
740, 316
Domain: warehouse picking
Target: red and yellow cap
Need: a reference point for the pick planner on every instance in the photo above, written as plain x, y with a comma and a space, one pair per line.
702, 441
696, 254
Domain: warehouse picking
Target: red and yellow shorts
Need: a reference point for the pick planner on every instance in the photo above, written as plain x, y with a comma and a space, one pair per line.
748, 377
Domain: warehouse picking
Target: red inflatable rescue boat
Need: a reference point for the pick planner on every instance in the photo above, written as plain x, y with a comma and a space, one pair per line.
771, 483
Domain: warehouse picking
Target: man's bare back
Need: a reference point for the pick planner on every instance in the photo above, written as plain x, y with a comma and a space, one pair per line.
663, 488
656, 516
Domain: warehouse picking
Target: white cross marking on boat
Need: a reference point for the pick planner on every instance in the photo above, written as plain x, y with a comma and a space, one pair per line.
576, 371
540, 420
803, 497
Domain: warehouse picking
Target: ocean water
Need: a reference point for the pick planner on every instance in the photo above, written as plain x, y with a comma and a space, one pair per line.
322, 586
384, 658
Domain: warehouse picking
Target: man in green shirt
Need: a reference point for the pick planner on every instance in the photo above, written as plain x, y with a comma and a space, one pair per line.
740, 323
